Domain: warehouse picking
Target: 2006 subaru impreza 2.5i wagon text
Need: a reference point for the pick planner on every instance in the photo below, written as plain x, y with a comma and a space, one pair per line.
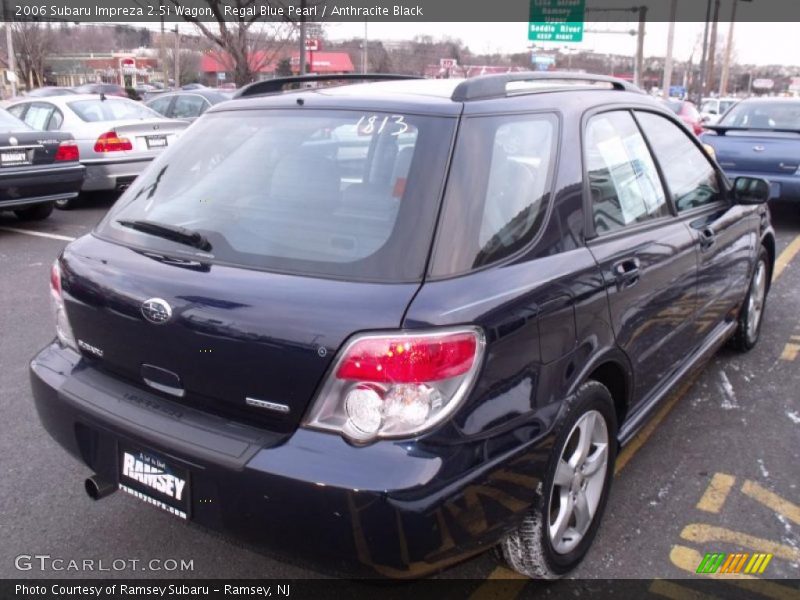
386, 326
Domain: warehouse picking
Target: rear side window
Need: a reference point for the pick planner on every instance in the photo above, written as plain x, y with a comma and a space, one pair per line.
188, 106
623, 181
347, 194
94, 111
38, 115
160, 105
495, 202
691, 179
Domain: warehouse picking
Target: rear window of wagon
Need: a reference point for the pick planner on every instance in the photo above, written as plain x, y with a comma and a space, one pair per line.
330, 193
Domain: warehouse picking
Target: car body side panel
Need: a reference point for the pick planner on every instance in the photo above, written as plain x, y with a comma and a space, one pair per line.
650, 315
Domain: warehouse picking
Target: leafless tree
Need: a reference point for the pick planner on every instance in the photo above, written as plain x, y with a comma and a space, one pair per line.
244, 45
33, 43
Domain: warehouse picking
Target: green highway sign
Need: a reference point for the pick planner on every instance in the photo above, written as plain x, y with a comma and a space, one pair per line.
556, 20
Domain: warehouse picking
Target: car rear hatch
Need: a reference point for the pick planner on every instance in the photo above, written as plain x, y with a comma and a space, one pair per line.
752, 152
233, 335
148, 135
29, 168
25, 148
262, 242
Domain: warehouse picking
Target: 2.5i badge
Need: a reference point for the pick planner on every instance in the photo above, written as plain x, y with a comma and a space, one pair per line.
155, 481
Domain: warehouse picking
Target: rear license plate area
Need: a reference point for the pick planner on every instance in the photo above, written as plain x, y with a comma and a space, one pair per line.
10, 159
148, 477
156, 141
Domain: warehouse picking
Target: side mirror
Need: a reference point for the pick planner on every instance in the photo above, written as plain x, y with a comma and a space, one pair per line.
705, 119
751, 190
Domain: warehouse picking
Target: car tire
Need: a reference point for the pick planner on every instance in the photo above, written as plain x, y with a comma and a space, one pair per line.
35, 213
751, 316
67, 204
531, 549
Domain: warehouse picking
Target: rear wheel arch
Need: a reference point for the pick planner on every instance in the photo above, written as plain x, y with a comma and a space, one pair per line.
616, 379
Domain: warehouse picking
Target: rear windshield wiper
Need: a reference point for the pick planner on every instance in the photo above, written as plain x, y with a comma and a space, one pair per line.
174, 233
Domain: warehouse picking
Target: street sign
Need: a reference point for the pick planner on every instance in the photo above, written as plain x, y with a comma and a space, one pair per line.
312, 45
556, 20
448, 63
763, 84
544, 59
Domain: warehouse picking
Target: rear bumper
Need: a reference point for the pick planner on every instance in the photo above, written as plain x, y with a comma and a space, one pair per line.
391, 509
110, 174
35, 185
782, 186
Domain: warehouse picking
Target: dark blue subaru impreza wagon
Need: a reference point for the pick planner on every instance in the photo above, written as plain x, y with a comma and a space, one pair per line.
390, 325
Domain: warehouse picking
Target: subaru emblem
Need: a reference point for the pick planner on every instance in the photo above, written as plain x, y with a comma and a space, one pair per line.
758, 148
156, 311
13, 141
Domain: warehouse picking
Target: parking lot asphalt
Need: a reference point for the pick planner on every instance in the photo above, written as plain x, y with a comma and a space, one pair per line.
716, 470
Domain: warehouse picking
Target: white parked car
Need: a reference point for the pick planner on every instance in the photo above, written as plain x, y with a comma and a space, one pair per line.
712, 109
117, 137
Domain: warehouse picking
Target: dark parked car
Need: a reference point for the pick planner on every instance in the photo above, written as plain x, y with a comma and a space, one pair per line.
391, 325
760, 137
108, 89
187, 105
37, 168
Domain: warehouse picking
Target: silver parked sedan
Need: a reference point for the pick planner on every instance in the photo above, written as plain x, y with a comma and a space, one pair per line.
116, 137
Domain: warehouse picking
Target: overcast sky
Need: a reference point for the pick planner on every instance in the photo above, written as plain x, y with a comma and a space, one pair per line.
755, 43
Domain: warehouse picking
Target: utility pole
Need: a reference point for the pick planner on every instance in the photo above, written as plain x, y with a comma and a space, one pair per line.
726, 64
177, 58
163, 47
712, 50
12, 60
639, 67
699, 89
364, 57
302, 37
667, 84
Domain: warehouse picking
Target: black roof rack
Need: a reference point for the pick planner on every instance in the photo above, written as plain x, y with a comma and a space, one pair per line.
276, 86
495, 86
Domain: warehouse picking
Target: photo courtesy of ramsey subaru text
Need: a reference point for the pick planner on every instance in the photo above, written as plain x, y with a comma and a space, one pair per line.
326, 320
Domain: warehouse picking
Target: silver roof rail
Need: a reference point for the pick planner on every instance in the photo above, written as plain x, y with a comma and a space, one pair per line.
496, 86
277, 85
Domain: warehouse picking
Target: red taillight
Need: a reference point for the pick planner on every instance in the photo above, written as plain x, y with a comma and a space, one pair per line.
55, 280
409, 359
67, 151
111, 142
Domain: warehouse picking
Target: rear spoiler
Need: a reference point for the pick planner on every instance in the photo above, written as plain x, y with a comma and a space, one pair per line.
722, 129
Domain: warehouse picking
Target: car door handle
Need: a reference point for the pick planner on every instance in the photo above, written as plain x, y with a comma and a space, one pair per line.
626, 272
708, 237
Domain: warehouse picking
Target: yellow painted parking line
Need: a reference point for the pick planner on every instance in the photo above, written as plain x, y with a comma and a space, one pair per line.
790, 352
716, 493
509, 586
786, 257
771, 500
52, 236
674, 591
703, 534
